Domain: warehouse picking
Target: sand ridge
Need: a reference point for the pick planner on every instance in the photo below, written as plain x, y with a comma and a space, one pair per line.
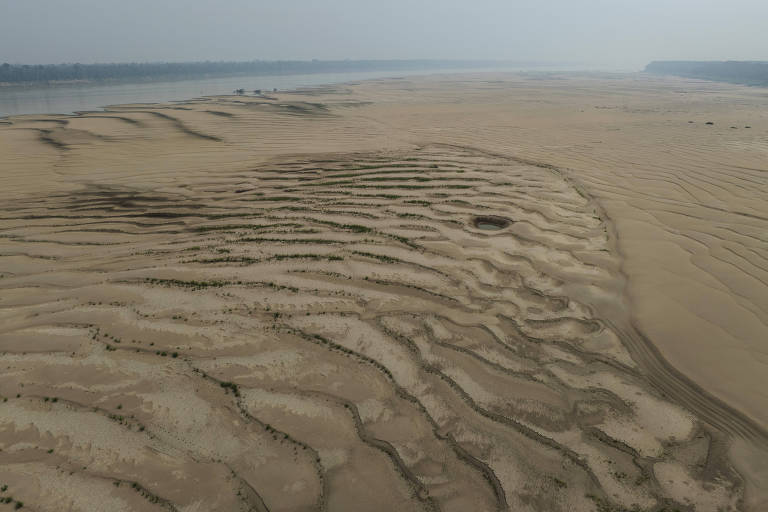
286, 303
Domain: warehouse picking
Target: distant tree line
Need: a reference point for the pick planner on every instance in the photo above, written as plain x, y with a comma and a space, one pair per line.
23, 73
738, 72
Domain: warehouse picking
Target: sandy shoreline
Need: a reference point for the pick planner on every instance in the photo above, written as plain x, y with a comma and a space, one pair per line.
290, 296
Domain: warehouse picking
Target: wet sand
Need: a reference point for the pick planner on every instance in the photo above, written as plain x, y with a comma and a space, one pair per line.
300, 302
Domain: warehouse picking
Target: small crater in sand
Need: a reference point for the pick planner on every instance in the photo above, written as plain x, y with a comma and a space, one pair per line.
490, 223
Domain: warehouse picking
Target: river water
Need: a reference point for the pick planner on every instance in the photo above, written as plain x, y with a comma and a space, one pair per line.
66, 99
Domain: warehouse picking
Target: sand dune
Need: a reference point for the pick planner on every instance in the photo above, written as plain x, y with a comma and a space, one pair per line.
451, 293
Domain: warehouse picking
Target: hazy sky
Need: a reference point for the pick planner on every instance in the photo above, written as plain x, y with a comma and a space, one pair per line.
605, 33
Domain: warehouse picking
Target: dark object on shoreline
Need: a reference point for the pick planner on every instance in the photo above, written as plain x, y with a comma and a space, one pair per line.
239, 91
257, 91
274, 90
690, 122
747, 127
709, 122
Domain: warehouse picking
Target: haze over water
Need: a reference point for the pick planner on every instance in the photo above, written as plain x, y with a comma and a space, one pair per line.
67, 99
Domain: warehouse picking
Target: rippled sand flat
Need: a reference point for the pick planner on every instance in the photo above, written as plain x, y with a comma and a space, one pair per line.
294, 302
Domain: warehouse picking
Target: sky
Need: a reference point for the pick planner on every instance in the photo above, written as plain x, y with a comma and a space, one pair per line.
600, 34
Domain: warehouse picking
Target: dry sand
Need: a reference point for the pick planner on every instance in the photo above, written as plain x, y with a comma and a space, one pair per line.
286, 303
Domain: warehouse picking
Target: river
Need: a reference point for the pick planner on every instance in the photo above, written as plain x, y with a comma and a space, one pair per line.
67, 99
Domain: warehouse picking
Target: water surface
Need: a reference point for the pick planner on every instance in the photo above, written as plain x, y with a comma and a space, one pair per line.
489, 226
66, 99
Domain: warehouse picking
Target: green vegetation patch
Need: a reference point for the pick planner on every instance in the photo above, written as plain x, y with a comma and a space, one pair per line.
195, 285
316, 257
235, 227
279, 198
413, 187
290, 240
355, 228
380, 257
246, 260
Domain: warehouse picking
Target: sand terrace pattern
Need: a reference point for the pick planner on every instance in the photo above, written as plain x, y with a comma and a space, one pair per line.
336, 332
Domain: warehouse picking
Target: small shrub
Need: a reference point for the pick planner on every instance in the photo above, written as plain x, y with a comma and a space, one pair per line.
231, 386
